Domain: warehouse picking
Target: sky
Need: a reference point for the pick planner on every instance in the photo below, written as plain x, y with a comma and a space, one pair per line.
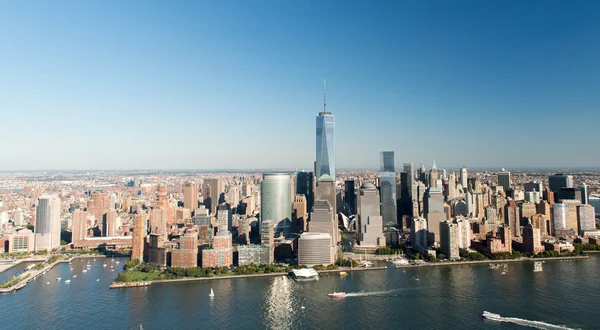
238, 84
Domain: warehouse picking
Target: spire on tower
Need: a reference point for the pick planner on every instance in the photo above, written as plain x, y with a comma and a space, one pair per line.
324, 95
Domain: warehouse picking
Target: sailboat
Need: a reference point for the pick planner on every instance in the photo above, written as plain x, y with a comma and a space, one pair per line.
212, 293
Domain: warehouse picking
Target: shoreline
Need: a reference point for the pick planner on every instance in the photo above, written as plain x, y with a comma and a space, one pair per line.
458, 263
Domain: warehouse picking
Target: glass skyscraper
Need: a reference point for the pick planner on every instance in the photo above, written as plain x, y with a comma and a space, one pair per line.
387, 162
387, 186
276, 201
325, 162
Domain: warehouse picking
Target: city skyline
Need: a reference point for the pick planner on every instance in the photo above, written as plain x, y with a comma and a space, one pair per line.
424, 80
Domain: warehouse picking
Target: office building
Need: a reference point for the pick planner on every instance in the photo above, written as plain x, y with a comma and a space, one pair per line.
267, 239
369, 206
47, 223
109, 223
224, 217
321, 220
585, 197
325, 160
79, 226
350, 197
586, 216
418, 234
463, 178
387, 186
213, 194
560, 218
504, 180
558, 181
434, 212
253, 254
276, 201
190, 196
513, 218
449, 240
387, 162
410, 175
532, 186
304, 186
434, 176
464, 233
572, 204
315, 249
300, 214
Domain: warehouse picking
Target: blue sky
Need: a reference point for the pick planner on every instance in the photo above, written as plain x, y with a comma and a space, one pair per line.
223, 84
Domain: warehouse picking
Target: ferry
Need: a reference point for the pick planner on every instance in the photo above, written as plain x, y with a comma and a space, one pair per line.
337, 295
305, 274
491, 316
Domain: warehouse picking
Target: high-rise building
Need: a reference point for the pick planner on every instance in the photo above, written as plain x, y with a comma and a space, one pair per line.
419, 235
463, 178
221, 254
325, 162
369, 216
532, 239
350, 197
79, 226
186, 256
225, 218
267, 239
315, 249
434, 176
275, 201
387, 186
109, 223
190, 196
584, 194
586, 216
139, 233
449, 240
513, 218
321, 220
464, 233
558, 181
410, 175
304, 186
47, 223
560, 217
533, 186
434, 212
300, 214
387, 162
326, 191
572, 204
213, 194
504, 179
18, 217
451, 186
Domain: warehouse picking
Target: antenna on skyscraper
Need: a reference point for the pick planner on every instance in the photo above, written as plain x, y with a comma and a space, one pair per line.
324, 95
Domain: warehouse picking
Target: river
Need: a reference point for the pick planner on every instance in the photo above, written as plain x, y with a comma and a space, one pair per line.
450, 297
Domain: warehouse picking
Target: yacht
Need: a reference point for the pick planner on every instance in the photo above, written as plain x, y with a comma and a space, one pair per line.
74, 276
58, 278
491, 316
337, 295
305, 274
537, 267
68, 281
85, 270
212, 293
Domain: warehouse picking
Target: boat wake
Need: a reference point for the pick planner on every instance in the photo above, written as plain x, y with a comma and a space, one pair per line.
528, 323
374, 293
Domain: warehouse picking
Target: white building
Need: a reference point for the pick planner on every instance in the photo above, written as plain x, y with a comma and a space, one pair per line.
464, 233
315, 249
450, 240
419, 234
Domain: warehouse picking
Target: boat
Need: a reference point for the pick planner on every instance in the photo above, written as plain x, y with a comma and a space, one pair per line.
58, 278
343, 273
104, 265
85, 270
97, 280
302, 307
68, 281
491, 316
30, 266
503, 273
212, 293
305, 274
337, 295
367, 264
47, 282
537, 267
117, 262
401, 262
74, 276
112, 270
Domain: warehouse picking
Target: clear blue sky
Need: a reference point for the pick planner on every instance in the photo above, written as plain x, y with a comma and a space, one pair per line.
223, 84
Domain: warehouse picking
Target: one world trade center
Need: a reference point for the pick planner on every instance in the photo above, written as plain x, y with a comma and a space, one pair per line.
325, 162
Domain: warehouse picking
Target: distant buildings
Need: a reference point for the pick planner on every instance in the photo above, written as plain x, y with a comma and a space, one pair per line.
47, 223
504, 180
190, 196
557, 182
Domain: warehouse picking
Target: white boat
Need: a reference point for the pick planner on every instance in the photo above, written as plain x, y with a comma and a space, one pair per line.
97, 280
503, 273
58, 278
305, 274
112, 270
212, 293
537, 267
47, 282
104, 265
85, 270
68, 281
401, 262
491, 316
117, 262
74, 276
30, 266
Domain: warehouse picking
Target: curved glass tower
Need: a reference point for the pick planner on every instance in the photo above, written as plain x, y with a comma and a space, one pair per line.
325, 142
276, 201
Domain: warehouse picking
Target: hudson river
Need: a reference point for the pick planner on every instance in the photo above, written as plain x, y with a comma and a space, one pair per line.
565, 293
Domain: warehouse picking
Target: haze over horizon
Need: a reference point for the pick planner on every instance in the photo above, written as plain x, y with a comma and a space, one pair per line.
189, 85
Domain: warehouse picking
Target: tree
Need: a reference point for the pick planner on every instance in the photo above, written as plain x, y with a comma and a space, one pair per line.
441, 256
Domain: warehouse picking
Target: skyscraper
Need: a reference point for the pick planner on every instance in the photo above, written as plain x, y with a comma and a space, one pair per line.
369, 217
276, 201
449, 240
586, 216
387, 163
463, 177
350, 197
410, 175
215, 192
304, 186
325, 162
558, 181
584, 194
504, 179
47, 223
190, 196
434, 212
434, 176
